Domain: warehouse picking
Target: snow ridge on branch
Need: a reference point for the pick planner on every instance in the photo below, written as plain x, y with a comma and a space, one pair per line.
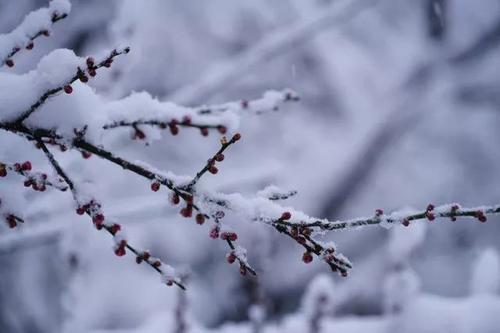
35, 24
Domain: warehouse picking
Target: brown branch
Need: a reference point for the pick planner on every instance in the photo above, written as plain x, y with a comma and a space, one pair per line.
217, 157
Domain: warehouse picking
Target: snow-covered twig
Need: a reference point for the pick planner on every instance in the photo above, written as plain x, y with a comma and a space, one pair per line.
156, 178
37, 23
37, 180
217, 157
93, 209
274, 193
204, 117
451, 211
79, 75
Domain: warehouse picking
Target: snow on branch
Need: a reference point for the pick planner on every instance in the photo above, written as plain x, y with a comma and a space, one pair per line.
38, 181
94, 210
163, 115
451, 211
58, 71
300, 227
182, 188
265, 210
275, 193
35, 24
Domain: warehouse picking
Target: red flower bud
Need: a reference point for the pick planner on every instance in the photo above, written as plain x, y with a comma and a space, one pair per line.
204, 131
175, 199
236, 137
307, 257
155, 186
231, 258
200, 219
222, 129
213, 169
286, 216
26, 166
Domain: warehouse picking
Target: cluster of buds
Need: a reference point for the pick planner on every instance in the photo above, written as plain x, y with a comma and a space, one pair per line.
92, 208
52, 142
17, 167
187, 211
228, 235
36, 180
479, 214
211, 163
143, 256
239, 254
299, 233
12, 220
91, 69
173, 125
120, 248
429, 214
328, 254
214, 232
454, 210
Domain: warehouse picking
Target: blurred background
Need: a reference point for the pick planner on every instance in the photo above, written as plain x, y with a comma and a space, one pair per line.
400, 107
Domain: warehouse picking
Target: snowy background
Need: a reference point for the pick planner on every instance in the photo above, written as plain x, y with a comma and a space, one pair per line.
399, 108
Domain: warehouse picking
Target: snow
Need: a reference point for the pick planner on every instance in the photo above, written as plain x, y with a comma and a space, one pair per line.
33, 23
486, 273
370, 132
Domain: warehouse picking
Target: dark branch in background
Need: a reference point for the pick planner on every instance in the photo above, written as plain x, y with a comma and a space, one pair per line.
79, 74
436, 18
484, 44
109, 229
273, 44
400, 121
